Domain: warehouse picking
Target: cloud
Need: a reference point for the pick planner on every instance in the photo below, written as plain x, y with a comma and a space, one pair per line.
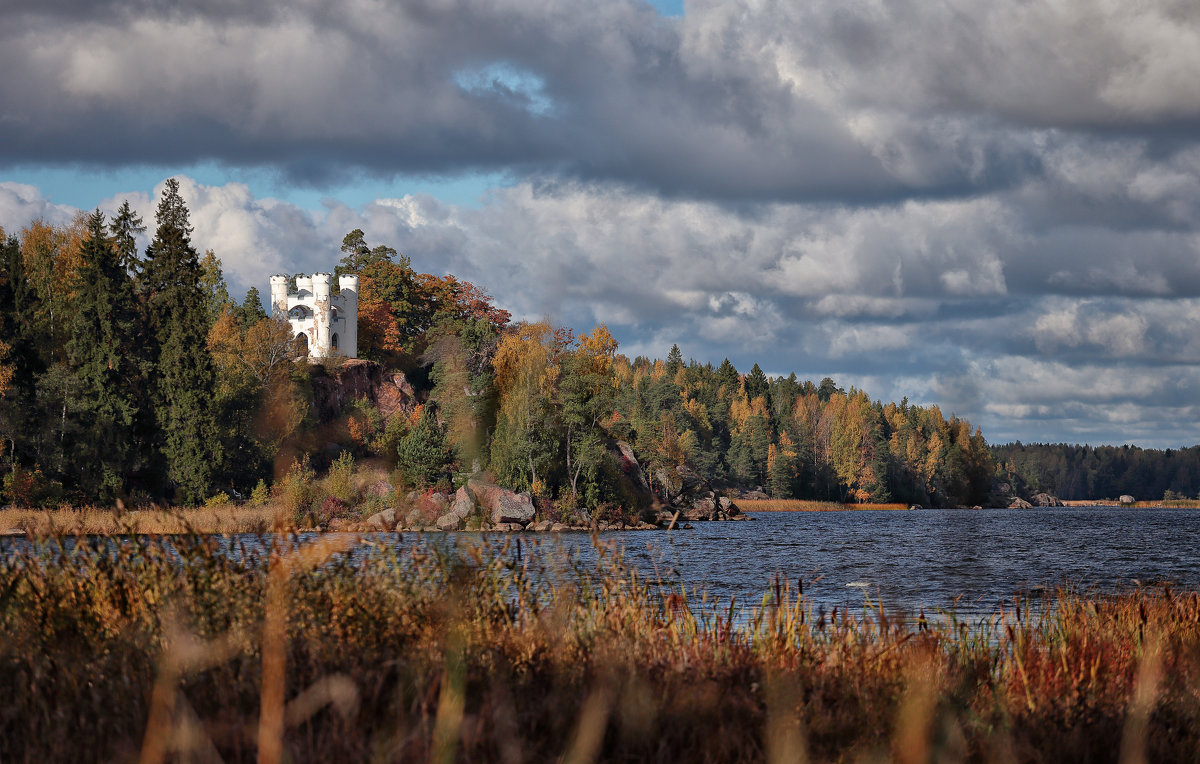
734, 100
988, 205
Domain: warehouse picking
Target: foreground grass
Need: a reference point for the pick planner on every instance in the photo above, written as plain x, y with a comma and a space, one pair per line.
807, 505
125, 648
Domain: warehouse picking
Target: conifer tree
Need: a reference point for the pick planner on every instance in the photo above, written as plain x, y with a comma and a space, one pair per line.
251, 311
100, 351
674, 361
125, 227
183, 378
424, 453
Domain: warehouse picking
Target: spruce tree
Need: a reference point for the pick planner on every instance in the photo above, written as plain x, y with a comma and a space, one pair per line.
674, 361
757, 385
101, 353
251, 310
183, 377
126, 225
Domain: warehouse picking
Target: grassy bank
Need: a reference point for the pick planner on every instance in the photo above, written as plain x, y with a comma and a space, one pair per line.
807, 505
137, 652
224, 519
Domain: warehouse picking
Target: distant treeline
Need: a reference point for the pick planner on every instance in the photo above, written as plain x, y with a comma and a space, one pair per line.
134, 376
1076, 472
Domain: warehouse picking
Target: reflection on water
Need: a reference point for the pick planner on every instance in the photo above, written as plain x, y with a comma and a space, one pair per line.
969, 561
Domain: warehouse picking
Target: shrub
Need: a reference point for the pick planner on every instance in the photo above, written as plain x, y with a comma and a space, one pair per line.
298, 492
340, 482
31, 489
216, 500
261, 494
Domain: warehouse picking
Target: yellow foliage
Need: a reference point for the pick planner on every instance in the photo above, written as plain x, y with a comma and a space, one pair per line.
6, 370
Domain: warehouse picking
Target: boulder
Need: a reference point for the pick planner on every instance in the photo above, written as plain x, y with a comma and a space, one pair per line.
630, 466
450, 522
382, 522
1019, 503
1126, 499
728, 507
1044, 500
440, 500
500, 504
464, 505
540, 526
415, 519
558, 528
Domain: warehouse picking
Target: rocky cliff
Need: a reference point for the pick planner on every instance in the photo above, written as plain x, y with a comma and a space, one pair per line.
333, 391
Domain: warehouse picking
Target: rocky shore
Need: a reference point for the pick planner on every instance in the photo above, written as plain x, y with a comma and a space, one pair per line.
484, 506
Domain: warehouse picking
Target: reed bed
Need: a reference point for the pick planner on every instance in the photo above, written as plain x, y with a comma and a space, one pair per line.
128, 648
227, 518
807, 505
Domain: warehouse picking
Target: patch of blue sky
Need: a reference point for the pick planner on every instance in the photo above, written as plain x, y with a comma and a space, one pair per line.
668, 7
508, 81
86, 187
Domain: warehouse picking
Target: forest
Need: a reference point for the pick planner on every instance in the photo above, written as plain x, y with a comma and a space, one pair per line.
132, 376
1075, 472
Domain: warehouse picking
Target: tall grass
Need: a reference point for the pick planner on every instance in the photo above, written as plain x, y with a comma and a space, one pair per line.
126, 648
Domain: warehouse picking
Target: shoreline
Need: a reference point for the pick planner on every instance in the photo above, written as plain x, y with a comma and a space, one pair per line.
263, 519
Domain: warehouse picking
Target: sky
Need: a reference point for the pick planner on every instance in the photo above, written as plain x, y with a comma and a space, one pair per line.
991, 206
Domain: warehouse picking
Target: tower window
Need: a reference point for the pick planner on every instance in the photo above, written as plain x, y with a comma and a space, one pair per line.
333, 341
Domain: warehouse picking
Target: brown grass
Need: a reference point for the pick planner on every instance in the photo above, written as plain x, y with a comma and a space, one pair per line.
1159, 504
227, 519
807, 505
126, 648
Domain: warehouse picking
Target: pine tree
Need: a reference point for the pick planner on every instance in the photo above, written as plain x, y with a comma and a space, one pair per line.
183, 378
100, 349
424, 453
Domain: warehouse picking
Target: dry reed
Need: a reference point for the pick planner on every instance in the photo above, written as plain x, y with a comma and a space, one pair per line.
196, 648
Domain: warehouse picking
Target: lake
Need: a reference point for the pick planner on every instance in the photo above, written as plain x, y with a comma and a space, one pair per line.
968, 561
971, 561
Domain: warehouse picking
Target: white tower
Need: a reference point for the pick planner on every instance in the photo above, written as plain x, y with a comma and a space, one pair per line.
323, 323
349, 316
279, 295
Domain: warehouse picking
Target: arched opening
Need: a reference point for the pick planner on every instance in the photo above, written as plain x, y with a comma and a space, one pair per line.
333, 342
301, 344
299, 311
337, 316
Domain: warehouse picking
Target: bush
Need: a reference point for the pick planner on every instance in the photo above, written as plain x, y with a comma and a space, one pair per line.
28, 489
298, 492
261, 494
217, 500
340, 481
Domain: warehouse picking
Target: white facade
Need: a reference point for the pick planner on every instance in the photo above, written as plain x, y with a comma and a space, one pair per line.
325, 323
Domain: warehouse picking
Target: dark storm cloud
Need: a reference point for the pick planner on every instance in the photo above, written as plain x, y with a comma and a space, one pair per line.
716, 104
